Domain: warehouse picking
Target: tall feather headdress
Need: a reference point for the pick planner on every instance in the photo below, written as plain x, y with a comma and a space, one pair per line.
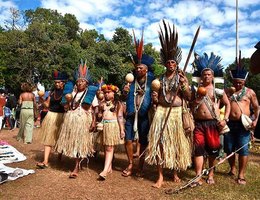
169, 42
141, 58
240, 72
82, 71
204, 62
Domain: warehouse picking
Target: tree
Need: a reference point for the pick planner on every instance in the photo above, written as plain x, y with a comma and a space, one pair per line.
72, 25
14, 22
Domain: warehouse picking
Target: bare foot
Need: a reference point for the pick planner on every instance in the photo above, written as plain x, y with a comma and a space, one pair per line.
210, 180
158, 184
73, 175
176, 179
196, 184
241, 181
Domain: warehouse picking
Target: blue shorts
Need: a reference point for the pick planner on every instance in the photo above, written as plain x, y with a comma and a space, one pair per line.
236, 138
143, 128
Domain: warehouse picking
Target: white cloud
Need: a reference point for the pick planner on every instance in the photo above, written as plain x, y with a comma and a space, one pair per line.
216, 17
5, 13
255, 15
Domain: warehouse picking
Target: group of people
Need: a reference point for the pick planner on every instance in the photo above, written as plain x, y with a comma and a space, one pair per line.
7, 110
150, 110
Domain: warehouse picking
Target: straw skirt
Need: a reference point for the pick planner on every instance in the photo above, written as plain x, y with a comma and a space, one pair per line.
49, 130
75, 140
174, 150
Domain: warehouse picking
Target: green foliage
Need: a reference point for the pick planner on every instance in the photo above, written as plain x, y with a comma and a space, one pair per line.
53, 41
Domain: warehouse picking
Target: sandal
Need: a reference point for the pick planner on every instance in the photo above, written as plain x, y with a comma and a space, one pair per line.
73, 175
41, 166
127, 172
101, 177
232, 174
241, 181
210, 181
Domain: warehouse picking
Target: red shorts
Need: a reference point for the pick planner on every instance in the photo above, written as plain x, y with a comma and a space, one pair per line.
206, 138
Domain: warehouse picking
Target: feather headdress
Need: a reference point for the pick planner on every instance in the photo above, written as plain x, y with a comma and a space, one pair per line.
61, 76
82, 72
205, 62
169, 43
141, 58
240, 72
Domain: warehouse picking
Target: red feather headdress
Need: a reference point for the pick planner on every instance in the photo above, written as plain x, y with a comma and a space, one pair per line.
139, 45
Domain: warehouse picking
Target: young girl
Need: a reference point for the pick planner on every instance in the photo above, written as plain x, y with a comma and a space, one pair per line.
113, 126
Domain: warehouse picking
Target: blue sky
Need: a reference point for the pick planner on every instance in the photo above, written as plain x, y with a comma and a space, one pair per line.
216, 18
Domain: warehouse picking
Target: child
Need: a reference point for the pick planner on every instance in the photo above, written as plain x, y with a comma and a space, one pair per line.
113, 126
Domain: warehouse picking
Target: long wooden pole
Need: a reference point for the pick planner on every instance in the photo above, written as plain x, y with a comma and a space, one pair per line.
237, 31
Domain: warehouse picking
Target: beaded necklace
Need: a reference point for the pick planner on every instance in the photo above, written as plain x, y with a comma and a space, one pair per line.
138, 87
169, 85
55, 95
239, 96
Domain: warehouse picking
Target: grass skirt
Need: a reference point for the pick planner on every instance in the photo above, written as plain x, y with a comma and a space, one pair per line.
49, 131
110, 136
75, 140
174, 149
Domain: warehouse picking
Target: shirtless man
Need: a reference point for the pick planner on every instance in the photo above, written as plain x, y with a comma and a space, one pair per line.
206, 114
241, 101
171, 148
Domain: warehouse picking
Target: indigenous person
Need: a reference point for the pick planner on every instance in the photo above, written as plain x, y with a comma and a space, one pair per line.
138, 102
206, 102
75, 137
169, 148
27, 114
2, 104
241, 101
113, 126
51, 124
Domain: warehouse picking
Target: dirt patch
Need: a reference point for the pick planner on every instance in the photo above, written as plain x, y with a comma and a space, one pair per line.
53, 182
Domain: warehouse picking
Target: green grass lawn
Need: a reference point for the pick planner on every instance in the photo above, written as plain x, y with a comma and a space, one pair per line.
225, 186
